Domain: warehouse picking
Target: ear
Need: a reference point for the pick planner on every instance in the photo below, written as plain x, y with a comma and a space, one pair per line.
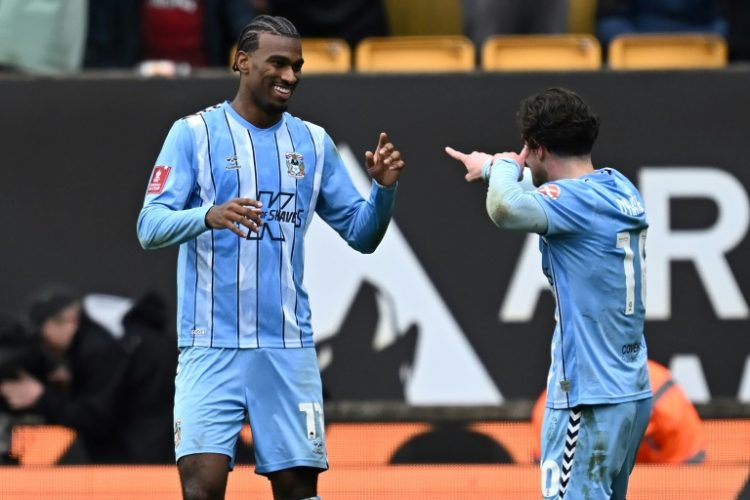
242, 62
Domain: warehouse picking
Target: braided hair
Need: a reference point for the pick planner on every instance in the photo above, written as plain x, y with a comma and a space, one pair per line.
275, 25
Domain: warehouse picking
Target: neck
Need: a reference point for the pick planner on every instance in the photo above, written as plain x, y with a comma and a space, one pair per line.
569, 167
247, 109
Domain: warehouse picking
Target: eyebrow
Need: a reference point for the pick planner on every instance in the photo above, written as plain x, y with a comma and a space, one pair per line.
280, 57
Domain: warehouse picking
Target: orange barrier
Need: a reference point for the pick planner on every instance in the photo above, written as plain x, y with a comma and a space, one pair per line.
395, 482
40, 444
371, 443
727, 441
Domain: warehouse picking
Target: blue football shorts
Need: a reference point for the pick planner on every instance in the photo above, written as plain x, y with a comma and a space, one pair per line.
279, 390
589, 451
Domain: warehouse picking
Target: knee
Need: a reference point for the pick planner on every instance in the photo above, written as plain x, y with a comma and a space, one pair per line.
195, 490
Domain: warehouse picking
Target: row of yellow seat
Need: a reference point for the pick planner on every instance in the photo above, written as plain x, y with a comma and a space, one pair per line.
514, 53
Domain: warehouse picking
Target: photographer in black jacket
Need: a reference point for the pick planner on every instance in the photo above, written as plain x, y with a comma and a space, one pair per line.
83, 390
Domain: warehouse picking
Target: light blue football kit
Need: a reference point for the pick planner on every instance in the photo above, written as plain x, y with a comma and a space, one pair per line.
242, 308
592, 240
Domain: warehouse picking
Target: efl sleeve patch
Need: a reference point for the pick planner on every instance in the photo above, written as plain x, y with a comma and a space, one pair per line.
158, 179
551, 191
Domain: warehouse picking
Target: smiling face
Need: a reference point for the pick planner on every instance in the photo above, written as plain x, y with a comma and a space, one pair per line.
270, 74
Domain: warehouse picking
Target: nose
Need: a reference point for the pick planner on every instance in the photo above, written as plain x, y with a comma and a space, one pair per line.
288, 75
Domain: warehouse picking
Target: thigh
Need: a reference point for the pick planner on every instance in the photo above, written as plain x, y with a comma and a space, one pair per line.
285, 403
203, 475
586, 448
297, 482
210, 405
642, 416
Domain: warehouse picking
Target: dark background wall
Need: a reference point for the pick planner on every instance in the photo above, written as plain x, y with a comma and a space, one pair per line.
76, 155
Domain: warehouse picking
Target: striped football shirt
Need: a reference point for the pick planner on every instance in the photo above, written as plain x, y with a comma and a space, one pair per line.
249, 293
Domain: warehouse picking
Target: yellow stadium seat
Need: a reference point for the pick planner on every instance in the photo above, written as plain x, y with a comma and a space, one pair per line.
413, 54
541, 52
668, 51
581, 16
424, 17
326, 55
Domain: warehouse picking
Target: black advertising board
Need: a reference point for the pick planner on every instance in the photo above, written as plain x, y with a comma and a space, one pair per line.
449, 310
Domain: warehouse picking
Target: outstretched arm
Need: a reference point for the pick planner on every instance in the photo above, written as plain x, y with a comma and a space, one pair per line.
508, 204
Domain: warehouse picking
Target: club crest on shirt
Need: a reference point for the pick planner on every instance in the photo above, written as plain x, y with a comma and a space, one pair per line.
551, 191
232, 163
295, 167
158, 179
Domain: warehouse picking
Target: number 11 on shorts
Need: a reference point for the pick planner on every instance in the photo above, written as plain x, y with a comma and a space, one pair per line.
311, 411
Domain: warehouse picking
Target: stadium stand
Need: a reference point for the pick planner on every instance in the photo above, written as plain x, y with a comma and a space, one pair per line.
326, 55
541, 52
581, 16
424, 17
668, 51
415, 54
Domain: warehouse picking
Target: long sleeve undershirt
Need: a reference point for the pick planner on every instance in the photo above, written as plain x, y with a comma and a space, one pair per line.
511, 204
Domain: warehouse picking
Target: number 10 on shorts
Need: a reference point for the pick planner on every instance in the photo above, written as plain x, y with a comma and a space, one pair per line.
313, 412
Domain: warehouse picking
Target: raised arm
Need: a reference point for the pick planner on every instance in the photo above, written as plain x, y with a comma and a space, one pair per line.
361, 223
509, 204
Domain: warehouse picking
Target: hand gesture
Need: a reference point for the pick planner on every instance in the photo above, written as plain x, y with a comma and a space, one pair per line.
385, 164
473, 162
476, 160
243, 211
21, 393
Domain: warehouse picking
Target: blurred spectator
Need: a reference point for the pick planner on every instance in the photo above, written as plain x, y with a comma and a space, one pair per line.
83, 391
19, 352
123, 33
351, 20
484, 18
110, 375
148, 387
674, 432
42, 36
739, 30
618, 17
673, 435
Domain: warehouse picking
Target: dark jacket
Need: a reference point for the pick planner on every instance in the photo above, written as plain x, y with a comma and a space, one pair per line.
351, 20
148, 386
91, 405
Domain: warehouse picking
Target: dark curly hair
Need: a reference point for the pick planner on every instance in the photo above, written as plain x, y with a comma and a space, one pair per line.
559, 120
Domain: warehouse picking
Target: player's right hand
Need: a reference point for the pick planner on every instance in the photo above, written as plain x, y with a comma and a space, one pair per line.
235, 213
473, 162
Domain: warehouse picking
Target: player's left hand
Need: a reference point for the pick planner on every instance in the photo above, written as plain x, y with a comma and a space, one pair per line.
385, 164
21, 393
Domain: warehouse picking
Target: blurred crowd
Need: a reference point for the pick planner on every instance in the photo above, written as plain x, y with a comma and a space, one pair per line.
69, 35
